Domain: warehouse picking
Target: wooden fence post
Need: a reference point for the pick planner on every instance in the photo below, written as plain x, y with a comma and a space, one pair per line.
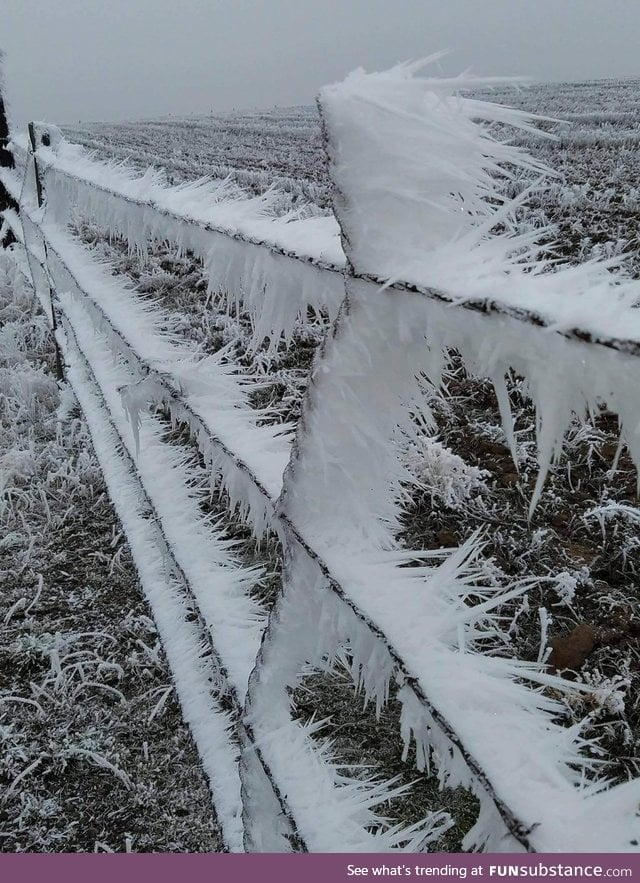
39, 195
6, 161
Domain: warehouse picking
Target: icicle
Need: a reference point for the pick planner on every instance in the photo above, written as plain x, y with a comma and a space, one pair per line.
505, 414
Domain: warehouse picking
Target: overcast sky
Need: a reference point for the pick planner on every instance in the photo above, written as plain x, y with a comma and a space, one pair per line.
70, 60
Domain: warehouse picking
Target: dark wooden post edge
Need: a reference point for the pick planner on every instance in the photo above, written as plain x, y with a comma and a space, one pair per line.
7, 162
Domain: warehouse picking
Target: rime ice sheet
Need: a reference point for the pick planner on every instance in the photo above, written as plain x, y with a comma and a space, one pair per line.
419, 172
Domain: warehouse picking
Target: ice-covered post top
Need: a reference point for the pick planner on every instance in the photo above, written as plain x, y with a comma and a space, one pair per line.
46, 135
414, 165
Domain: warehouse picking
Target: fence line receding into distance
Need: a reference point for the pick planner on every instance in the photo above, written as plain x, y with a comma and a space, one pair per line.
395, 303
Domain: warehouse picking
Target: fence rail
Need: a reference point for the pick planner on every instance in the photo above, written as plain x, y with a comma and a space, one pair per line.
330, 490
329, 278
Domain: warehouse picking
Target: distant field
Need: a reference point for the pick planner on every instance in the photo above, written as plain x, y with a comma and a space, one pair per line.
259, 148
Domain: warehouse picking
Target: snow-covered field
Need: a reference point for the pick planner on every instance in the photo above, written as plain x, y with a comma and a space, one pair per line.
579, 545
258, 148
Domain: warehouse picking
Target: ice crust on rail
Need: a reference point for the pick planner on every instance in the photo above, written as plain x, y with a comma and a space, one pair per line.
277, 268
291, 648
213, 614
212, 387
220, 585
163, 471
271, 264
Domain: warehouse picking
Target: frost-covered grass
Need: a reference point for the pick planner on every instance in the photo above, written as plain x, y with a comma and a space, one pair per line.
588, 575
94, 754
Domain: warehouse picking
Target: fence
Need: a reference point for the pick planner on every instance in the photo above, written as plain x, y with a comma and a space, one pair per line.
332, 491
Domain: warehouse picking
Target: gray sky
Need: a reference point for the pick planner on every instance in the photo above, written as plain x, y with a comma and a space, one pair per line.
70, 60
